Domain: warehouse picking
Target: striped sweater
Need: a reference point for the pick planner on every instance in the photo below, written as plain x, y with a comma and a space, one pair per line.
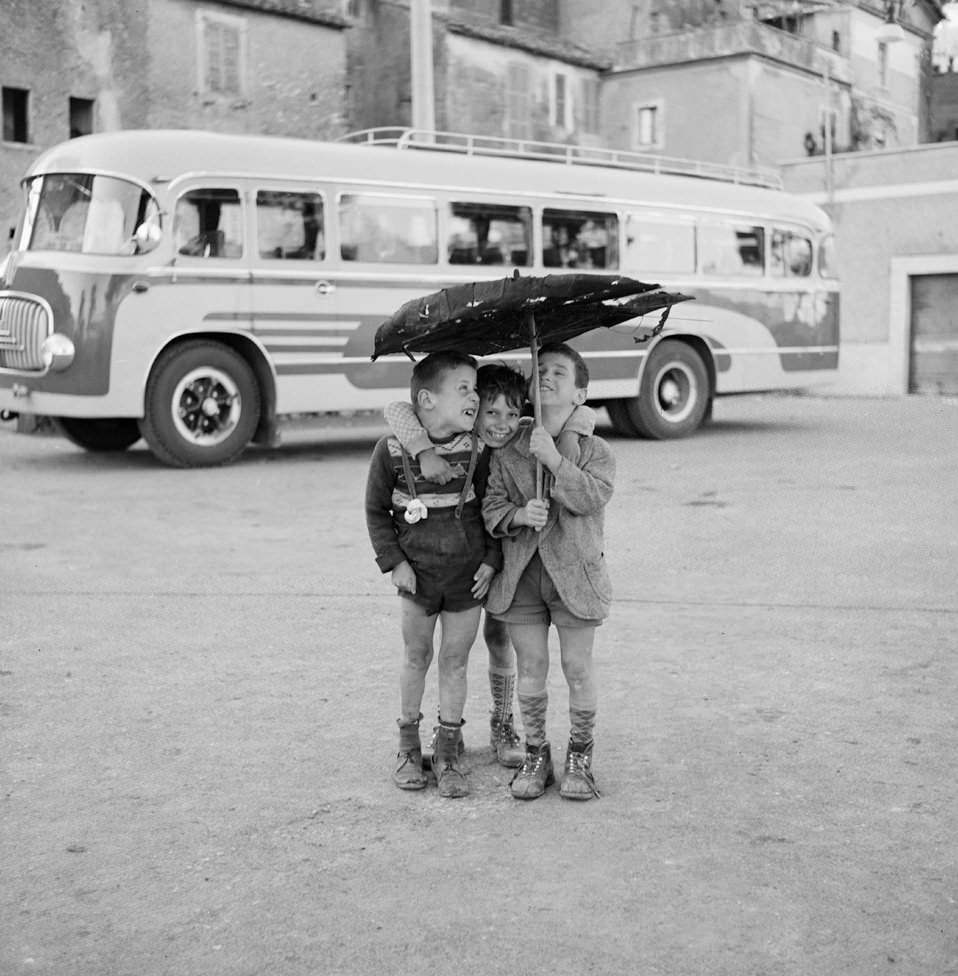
388, 493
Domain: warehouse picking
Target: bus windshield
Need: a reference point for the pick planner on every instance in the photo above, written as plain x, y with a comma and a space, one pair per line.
87, 214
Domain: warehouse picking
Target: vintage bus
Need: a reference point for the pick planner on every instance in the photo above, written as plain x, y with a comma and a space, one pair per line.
196, 289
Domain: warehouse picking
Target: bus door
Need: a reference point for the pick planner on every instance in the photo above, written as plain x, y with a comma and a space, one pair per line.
210, 245
196, 283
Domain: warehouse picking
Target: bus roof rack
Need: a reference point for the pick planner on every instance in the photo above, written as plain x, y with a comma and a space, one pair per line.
557, 152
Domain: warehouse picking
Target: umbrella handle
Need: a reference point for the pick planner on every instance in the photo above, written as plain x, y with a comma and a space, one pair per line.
534, 383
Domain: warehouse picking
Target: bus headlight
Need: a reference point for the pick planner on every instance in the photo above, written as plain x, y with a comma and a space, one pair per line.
57, 352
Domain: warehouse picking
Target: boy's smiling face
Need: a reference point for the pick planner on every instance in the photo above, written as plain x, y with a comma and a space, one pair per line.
557, 381
498, 420
454, 405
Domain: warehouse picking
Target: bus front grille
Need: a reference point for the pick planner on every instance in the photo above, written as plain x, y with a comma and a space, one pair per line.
24, 324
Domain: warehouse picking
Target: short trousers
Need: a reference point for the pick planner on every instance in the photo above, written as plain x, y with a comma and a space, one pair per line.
537, 601
444, 552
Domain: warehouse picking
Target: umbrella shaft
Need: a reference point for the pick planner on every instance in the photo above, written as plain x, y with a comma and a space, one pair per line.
534, 383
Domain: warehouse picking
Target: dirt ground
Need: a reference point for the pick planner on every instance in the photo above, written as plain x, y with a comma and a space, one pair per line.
198, 688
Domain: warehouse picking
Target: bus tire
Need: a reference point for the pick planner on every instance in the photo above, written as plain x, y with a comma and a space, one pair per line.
202, 405
673, 398
100, 434
621, 417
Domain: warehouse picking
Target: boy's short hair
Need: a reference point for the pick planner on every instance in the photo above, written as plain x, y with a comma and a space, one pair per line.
427, 374
497, 379
579, 367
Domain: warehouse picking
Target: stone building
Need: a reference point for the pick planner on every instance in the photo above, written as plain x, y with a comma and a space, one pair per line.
817, 88
501, 69
944, 106
734, 82
79, 66
751, 83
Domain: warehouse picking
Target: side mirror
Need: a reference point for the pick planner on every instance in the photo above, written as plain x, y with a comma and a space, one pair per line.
147, 236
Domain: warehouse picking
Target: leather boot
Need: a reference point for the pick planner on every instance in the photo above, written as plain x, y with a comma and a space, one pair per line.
578, 782
409, 774
536, 774
446, 762
431, 748
505, 742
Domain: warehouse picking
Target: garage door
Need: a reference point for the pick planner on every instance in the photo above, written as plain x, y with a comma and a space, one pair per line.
933, 367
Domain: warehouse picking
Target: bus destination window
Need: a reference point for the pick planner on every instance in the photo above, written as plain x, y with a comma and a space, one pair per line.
290, 225
388, 229
579, 239
489, 233
208, 223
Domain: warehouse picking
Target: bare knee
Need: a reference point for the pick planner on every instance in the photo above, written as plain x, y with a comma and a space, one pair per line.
577, 679
417, 657
533, 671
496, 636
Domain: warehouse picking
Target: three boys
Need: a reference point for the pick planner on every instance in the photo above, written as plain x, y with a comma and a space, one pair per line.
544, 579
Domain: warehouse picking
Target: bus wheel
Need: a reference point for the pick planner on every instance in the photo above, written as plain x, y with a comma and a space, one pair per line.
621, 416
202, 405
100, 434
673, 397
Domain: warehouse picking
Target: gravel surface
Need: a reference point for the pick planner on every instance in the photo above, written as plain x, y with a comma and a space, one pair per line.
199, 684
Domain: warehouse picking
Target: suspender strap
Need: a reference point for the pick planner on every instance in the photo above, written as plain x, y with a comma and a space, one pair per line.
407, 472
473, 461
470, 474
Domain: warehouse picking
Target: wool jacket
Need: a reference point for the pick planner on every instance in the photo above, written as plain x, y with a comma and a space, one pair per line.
571, 545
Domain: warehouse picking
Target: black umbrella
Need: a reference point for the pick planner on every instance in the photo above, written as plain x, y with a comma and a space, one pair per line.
483, 318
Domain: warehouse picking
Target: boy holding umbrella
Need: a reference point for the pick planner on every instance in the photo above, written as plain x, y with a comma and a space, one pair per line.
554, 569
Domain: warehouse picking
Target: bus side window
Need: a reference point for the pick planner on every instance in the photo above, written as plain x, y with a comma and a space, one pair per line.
289, 225
579, 239
489, 233
776, 254
790, 255
208, 223
827, 259
798, 256
388, 229
659, 244
731, 249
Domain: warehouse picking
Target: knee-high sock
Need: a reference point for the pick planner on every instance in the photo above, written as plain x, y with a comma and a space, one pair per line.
582, 722
533, 710
502, 684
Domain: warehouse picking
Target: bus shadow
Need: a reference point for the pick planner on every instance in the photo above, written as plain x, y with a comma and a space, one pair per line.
717, 429
357, 446
345, 445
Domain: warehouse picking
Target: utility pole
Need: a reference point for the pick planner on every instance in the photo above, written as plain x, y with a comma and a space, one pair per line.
827, 136
420, 54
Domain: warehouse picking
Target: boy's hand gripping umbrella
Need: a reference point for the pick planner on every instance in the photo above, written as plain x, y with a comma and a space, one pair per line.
483, 318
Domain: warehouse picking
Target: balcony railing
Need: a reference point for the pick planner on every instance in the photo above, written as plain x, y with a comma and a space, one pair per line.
722, 40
